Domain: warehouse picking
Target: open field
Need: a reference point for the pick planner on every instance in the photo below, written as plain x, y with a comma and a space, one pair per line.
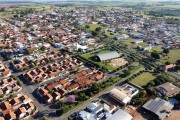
110, 35
170, 6
118, 62
9, 12
174, 115
172, 56
135, 69
143, 44
94, 26
143, 79
6, 14
156, 49
128, 41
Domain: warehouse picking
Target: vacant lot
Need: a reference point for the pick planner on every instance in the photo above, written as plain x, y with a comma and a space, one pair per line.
118, 62
143, 79
172, 56
174, 115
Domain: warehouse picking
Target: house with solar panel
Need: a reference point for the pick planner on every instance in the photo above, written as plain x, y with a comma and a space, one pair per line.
107, 56
159, 107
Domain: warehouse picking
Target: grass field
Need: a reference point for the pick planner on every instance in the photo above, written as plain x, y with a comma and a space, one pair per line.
94, 26
143, 79
136, 69
110, 35
171, 6
156, 49
143, 44
10, 11
5, 14
172, 56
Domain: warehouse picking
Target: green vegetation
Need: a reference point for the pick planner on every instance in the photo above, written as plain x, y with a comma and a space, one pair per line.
156, 49
155, 55
143, 44
172, 56
139, 99
93, 27
170, 6
136, 69
143, 79
110, 35
10, 12
43, 118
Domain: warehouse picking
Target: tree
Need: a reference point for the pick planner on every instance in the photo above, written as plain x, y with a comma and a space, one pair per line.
98, 29
167, 63
155, 55
87, 26
59, 112
94, 33
126, 73
177, 96
166, 51
178, 62
43, 118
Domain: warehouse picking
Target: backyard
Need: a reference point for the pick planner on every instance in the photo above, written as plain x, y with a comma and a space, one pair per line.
143, 79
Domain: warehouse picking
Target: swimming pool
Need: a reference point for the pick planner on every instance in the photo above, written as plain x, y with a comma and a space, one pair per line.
173, 101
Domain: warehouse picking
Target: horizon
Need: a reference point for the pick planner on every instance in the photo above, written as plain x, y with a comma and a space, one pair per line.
85, 0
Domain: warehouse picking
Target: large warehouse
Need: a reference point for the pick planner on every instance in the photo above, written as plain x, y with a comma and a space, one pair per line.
108, 55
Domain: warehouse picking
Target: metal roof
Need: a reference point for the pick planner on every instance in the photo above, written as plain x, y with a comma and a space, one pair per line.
158, 106
108, 55
120, 115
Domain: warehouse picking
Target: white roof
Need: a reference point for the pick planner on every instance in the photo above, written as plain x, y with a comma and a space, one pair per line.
120, 95
120, 115
108, 55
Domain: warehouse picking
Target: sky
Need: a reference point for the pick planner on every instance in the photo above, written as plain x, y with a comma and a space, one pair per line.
84, 0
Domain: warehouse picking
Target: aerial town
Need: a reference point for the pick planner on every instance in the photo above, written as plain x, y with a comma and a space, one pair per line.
89, 60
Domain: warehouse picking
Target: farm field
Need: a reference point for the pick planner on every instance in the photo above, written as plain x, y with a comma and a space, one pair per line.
143, 79
9, 12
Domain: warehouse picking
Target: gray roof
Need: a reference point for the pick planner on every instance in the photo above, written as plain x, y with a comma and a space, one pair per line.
108, 55
120, 115
167, 89
158, 106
